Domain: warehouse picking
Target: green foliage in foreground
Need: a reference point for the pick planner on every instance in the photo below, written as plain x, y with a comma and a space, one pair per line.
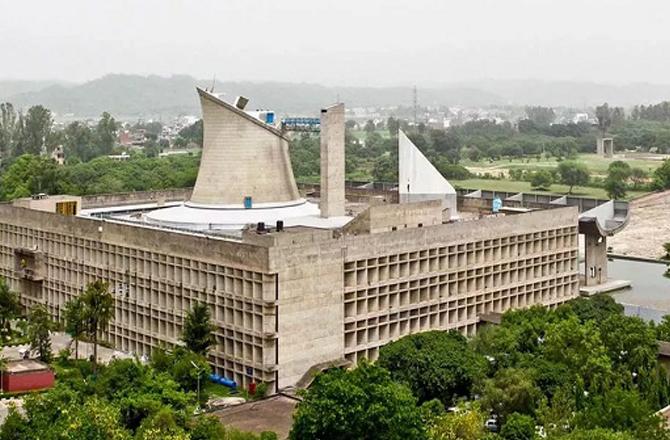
126, 400
581, 371
364, 403
435, 365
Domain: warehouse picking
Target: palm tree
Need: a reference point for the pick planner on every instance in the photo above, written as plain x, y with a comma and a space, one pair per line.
99, 310
75, 321
197, 332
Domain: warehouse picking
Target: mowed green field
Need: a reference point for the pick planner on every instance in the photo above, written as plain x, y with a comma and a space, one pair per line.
596, 164
515, 186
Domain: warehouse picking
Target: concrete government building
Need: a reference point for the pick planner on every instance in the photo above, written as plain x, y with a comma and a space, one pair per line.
302, 277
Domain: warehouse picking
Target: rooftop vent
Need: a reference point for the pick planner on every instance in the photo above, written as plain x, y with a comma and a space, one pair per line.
241, 102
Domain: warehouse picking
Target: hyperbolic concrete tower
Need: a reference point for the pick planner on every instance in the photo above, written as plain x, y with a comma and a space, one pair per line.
243, 158
245, 176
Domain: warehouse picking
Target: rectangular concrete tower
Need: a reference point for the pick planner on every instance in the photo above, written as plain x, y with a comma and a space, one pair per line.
332, 161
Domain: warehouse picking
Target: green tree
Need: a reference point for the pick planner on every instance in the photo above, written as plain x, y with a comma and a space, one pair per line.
39, 328
620, 169
179, 364
37, 126
14, 427
29, 175
105, 133
162, 425
3, 368
75, 321
369, 126
615, 188
540, 115
385, 169
662, 176
364, 403
597, 434
638, 176
94, 420
447, 143
99, 311
573, 174
579, 347
663, 329
433, 364
79, 142
595, 308
511, 391
518, 427
392, 125
206, 428
541, 180
198, 327
604, 117
464, 424
192, 134
8, 119
10, 307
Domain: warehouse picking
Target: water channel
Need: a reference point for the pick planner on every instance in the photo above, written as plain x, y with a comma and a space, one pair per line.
649, 295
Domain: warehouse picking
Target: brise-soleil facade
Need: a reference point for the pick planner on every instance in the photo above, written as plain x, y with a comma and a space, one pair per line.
285, 301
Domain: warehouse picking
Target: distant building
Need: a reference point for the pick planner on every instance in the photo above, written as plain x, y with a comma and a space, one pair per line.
58, 154
119, 157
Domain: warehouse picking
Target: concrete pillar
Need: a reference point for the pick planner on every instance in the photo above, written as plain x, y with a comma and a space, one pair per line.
605, 147
595, 262
608, 146
332, 161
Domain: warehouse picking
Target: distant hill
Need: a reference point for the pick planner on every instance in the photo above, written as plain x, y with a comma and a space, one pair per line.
571, 93
134, 96
127, 95
9, 87
151, 96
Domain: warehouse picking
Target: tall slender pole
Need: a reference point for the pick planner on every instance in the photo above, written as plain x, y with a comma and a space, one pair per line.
199, 371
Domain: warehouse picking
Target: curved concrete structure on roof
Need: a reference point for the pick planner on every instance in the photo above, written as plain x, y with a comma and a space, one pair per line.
245, 177
241, 157
606, 219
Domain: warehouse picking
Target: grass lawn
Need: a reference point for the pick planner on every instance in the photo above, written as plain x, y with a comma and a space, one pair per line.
215, 389
515, 186
596, 164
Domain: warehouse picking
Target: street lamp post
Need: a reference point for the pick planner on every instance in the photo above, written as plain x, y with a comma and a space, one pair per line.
199, 371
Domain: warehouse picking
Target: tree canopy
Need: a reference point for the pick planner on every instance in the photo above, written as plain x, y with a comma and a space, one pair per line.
364, 403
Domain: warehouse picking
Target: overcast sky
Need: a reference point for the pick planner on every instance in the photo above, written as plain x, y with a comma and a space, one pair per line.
343, 42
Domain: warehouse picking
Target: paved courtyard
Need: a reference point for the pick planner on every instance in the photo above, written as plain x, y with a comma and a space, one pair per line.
60, 341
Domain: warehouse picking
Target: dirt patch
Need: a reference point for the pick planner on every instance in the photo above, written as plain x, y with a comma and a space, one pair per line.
272, 414
648, 228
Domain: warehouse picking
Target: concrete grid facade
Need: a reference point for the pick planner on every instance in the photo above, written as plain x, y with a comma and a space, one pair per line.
504, 263
285, 301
